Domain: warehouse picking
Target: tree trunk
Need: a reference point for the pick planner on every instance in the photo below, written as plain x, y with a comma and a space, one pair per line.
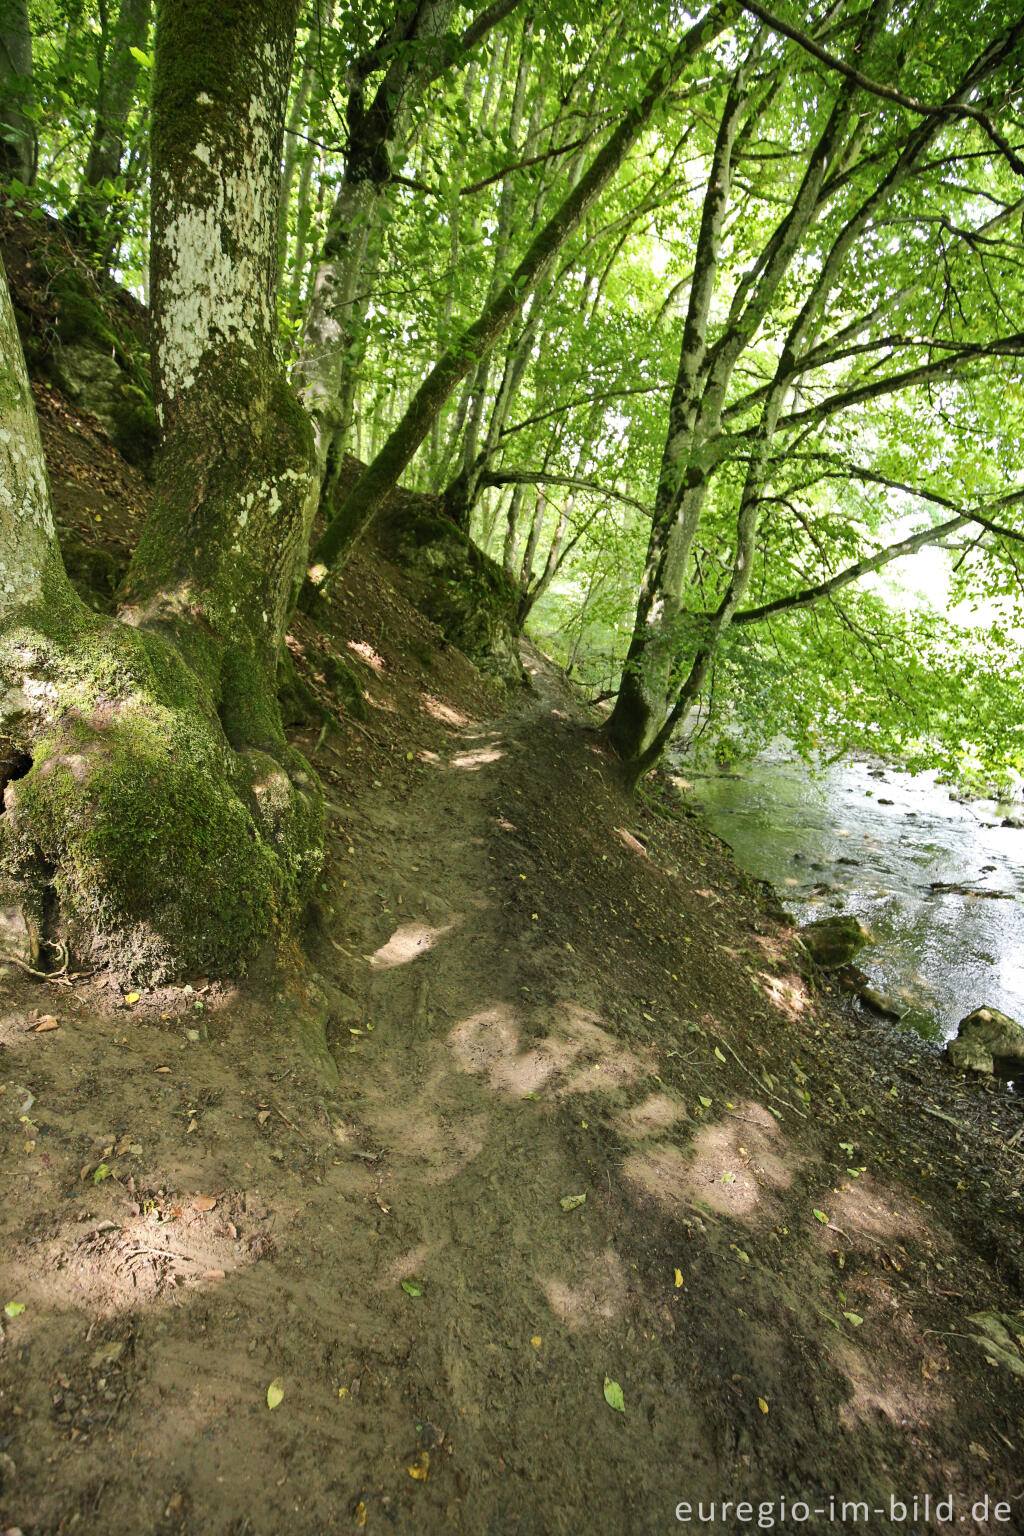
163, 807
331, 338
17, 135
119, 76
373, 486
663, 633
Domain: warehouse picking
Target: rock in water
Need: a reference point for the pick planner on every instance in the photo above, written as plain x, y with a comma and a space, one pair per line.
984, 1038
833, 941
879, 1003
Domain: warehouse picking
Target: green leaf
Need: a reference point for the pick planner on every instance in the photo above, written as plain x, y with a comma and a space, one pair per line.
613, 1395
572, 1202
101, 1173
412, 1288
275, 1394
145, 59
719, 1054
820, 1215
704, 1101
854, 1318
14, 1308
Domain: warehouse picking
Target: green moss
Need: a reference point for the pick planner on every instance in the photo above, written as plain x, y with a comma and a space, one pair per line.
136, 431
166, 850
458, 587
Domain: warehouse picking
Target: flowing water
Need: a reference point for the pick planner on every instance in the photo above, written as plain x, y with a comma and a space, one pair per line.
854, 837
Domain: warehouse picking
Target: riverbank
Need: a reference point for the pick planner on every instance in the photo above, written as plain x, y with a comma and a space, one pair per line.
939, 883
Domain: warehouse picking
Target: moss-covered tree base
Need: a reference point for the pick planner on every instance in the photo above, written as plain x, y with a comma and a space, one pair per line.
131, 829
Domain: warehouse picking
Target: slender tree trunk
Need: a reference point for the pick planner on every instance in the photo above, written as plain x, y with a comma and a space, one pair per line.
17, 134
662, 631
119, 79
331, 337
508, 553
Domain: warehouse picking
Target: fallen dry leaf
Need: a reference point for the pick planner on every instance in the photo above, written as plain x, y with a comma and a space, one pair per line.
46, 1023
204, 1203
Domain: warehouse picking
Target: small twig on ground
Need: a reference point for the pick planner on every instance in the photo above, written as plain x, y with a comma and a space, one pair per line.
762, 1087
957, 1125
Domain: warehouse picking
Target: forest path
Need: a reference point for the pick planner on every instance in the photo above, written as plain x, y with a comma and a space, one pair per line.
482, 1018
535, 991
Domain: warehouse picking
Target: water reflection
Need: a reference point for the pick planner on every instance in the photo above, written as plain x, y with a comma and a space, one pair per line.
854, 837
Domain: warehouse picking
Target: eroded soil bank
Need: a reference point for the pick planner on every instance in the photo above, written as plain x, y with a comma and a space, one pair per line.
533, 990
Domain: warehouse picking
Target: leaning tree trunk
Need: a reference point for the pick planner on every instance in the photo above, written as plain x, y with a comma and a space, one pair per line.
151, 791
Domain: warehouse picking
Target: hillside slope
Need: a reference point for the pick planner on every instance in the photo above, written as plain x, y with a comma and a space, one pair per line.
346, 1176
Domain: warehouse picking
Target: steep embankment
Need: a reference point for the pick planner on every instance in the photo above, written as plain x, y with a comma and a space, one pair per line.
343, 1177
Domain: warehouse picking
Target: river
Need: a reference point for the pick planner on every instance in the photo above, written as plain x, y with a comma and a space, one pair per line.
856, 837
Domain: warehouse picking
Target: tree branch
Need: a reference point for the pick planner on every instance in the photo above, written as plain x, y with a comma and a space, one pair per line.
852, 573
888, 92
572, 482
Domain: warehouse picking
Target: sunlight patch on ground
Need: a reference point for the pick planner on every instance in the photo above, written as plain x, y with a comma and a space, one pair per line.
408, 942
577, 1052
437, 710
662, 1172
728, 1167
653, 1116
862, 1210
597, 1297
784, 993
367, 653
478, 759
110, 1268
903, 1402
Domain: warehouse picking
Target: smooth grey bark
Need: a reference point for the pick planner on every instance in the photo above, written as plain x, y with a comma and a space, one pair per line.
511, 540
413, 52
28, 539
477, 387
652, 699
648, 682
17, 132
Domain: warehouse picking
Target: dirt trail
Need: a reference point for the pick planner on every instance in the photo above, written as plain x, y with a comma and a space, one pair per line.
534, 991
